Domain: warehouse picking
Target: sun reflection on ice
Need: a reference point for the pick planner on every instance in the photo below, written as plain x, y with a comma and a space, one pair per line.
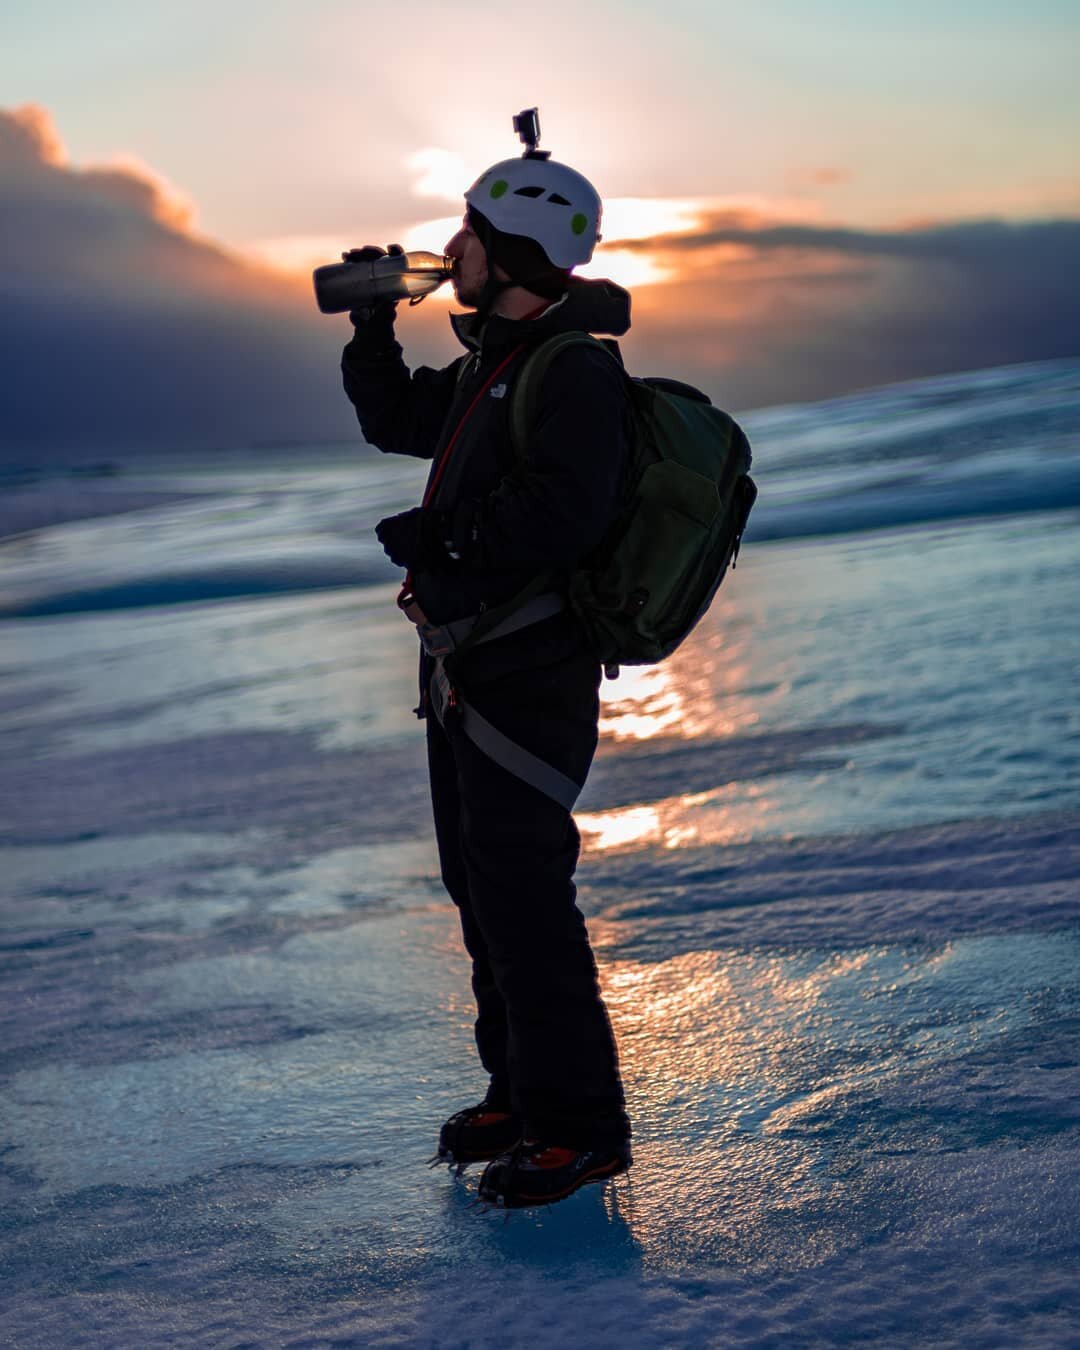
643, 702
734, 1055
696, 692
719, 1032
731, 814
613, 829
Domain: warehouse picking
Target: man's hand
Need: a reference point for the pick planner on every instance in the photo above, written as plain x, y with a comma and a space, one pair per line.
411, 540
424, 540
372, 251
386, 309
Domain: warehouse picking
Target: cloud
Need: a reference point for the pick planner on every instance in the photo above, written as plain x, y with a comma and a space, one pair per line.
121, 327
440, 173
114, 235
28, 140
124, 329
965, 242
769, 312
37, 173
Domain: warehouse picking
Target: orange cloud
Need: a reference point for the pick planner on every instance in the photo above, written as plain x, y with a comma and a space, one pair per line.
122, 326
31, 145
152, 334
133, 183
631, 227
29, 138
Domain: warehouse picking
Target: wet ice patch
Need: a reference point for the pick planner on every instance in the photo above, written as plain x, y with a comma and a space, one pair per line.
836, 914
278, 664
349, 878
323, 1088
90, 860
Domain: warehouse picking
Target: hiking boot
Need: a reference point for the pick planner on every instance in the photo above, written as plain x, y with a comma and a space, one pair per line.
532, 1173
478, 1133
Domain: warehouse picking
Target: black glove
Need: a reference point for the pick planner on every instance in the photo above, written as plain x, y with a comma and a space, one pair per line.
413, 540
372, 251
382, 314
424, 540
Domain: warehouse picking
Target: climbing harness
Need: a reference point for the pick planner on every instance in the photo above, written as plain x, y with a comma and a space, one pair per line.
441, 641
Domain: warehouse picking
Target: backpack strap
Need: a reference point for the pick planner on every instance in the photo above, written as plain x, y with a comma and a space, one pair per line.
515, 759
525, 395
466, 365
494, 622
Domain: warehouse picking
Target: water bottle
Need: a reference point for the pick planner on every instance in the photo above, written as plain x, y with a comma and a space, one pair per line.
356, 285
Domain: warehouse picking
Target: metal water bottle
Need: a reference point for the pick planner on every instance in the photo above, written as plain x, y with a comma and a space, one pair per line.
394, 276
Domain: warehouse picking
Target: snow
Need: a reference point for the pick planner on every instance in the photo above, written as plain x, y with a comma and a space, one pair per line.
831, 872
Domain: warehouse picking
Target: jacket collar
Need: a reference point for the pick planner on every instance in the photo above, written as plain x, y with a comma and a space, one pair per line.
587, 306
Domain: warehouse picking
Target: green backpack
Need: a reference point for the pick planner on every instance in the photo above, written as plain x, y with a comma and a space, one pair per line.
688, 495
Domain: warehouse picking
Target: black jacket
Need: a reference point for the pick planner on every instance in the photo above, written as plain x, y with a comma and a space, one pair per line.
532, 518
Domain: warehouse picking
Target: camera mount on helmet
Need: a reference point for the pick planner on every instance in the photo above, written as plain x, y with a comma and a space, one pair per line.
527, 126
538, 199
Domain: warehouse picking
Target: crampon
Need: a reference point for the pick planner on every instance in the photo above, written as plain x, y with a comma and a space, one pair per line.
477, 1134
534, 1173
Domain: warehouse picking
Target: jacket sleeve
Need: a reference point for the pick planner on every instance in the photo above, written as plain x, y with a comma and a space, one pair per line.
554, 509
399, 411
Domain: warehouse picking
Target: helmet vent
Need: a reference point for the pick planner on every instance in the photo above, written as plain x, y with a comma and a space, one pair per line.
558, 200
529, 192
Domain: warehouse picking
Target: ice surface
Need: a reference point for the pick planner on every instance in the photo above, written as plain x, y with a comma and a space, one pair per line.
831, 871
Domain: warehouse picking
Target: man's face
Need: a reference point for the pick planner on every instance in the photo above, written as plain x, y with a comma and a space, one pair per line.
470, 265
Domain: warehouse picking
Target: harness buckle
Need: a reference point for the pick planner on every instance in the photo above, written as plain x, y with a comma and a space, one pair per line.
437, 638
437, 641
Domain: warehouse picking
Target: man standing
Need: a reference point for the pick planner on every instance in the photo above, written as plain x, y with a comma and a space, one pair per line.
509, 686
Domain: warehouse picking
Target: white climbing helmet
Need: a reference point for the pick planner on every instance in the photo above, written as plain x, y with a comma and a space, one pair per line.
544, 201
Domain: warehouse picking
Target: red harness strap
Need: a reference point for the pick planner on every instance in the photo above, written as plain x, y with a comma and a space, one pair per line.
434, 484
405, 596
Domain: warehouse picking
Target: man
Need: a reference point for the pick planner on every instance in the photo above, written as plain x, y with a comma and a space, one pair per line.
509, 686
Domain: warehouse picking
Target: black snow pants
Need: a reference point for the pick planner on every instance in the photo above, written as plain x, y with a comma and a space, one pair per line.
508, 854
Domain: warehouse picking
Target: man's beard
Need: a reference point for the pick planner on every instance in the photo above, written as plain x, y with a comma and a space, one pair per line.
472, 296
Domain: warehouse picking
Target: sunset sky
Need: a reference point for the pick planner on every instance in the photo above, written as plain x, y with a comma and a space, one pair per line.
804, 197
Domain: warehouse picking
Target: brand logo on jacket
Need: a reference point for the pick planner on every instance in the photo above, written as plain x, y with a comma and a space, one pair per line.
498, 391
